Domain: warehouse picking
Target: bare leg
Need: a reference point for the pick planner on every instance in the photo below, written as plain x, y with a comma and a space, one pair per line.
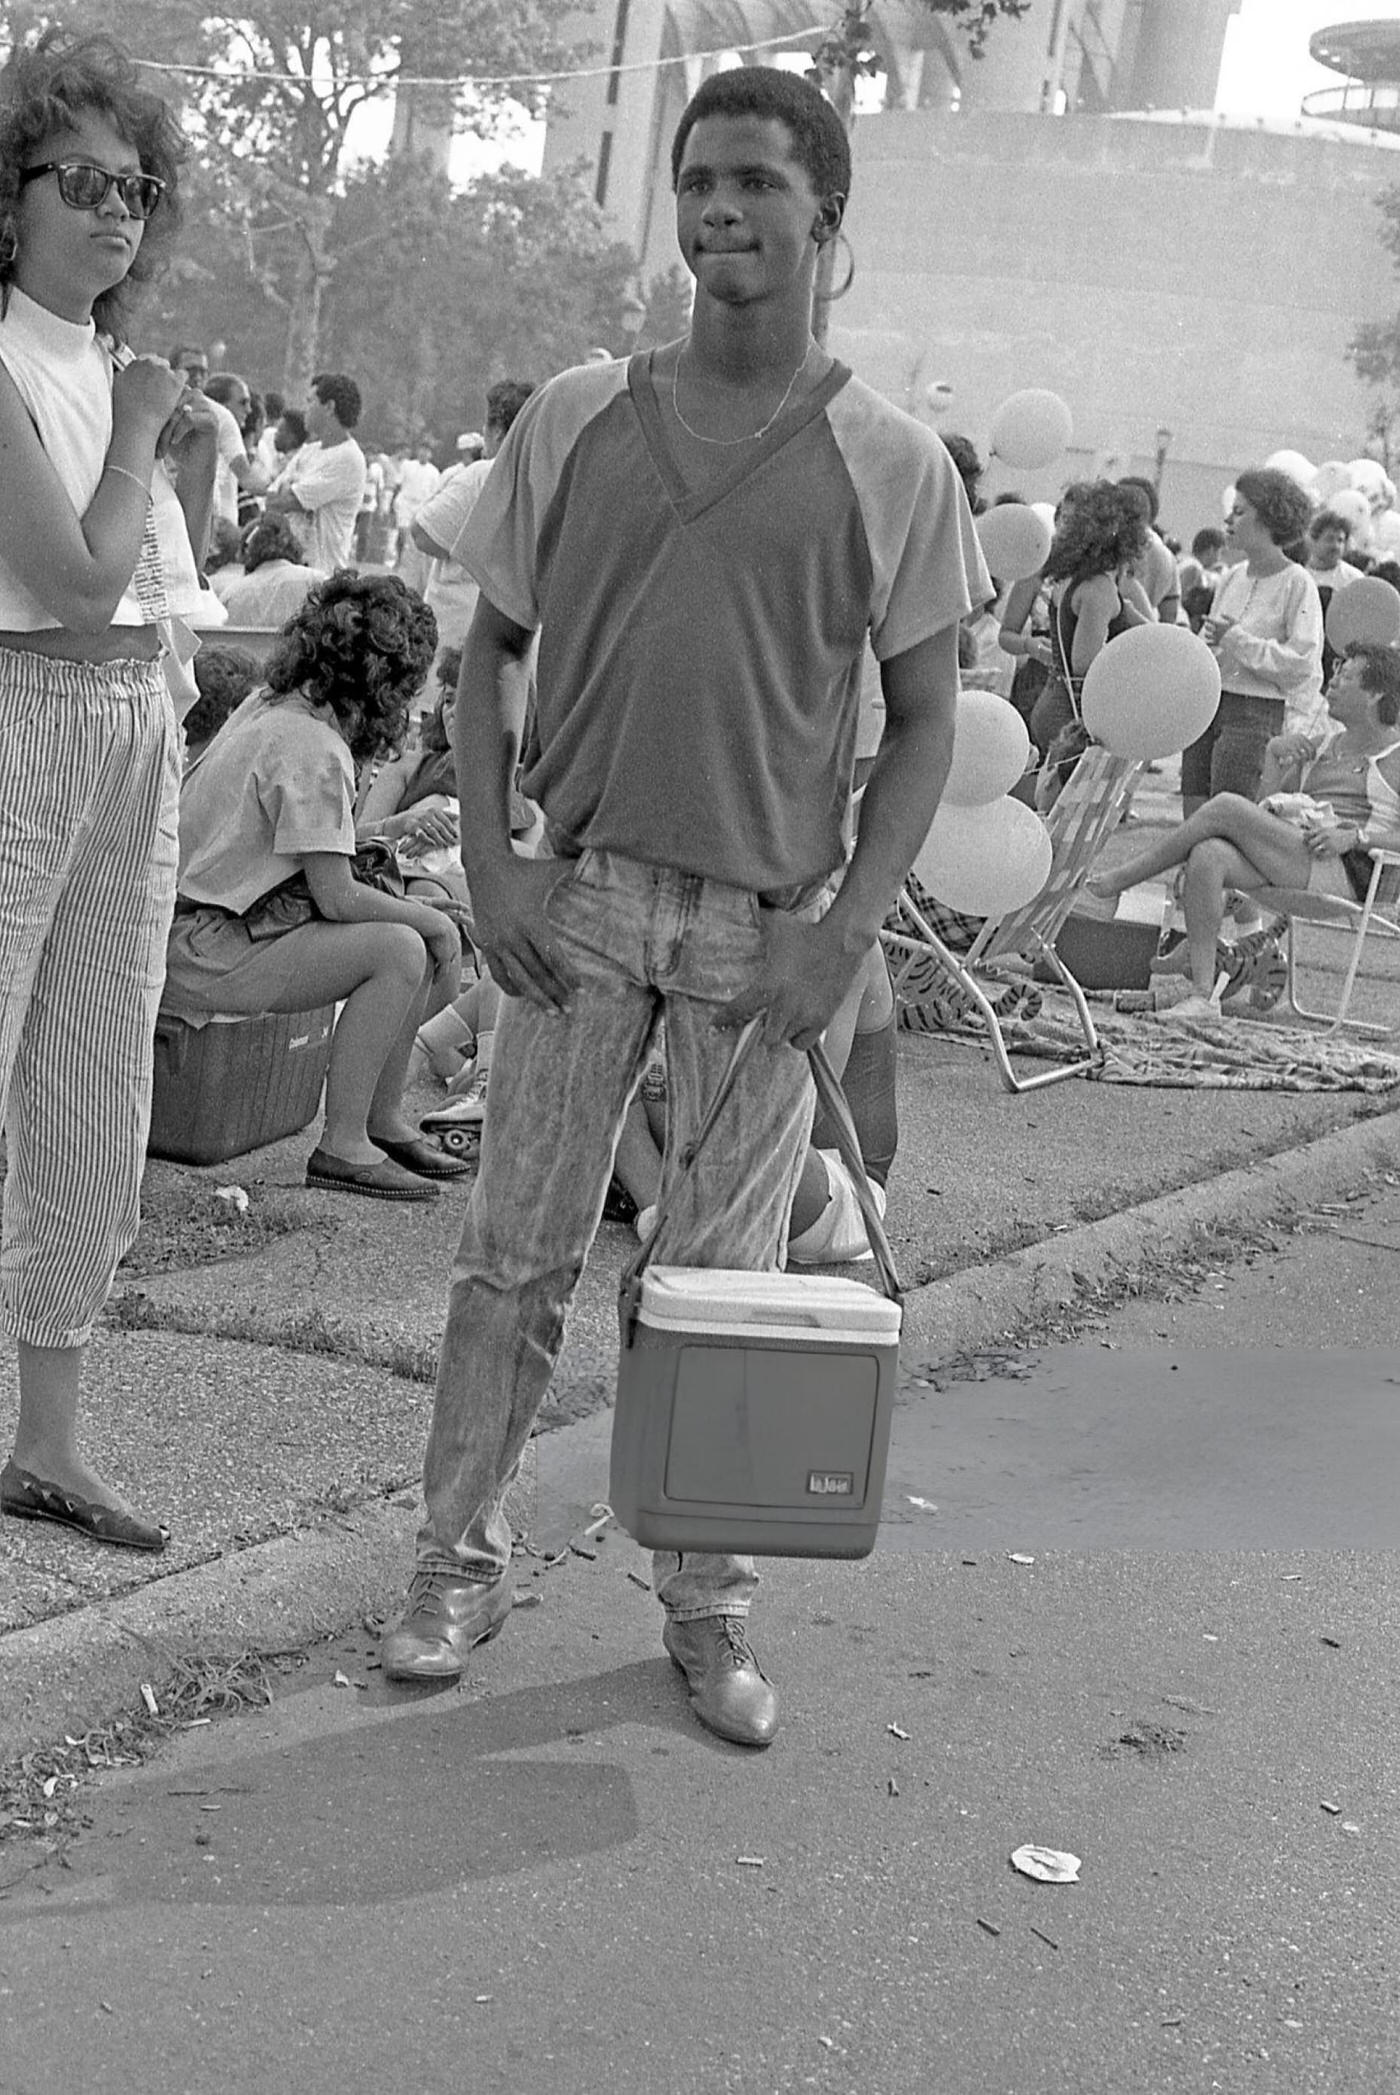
46, 1435
1270, 851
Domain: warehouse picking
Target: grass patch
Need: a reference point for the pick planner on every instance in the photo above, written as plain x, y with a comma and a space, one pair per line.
184, 1223
41, 1794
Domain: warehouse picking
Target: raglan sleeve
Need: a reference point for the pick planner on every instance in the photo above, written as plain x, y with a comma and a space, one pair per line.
499, 544
928, 566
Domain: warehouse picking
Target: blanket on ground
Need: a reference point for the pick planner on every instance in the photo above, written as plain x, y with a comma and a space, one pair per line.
1220, 1054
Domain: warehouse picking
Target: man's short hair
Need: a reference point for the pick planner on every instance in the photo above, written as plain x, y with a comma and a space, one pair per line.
334, 389
1208, 540
505, 399
819, 142
1380, 673
1328, 520
184, 349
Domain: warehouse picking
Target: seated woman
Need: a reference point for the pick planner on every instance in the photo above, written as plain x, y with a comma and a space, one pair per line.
269, 917
273, 581
412, 803
1323, 805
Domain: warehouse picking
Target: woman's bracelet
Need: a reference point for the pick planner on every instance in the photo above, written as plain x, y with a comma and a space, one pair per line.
134, 478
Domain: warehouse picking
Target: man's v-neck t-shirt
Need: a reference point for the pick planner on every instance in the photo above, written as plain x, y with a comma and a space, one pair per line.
700, 647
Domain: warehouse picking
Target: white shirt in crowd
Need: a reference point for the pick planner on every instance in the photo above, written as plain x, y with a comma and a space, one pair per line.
328, 481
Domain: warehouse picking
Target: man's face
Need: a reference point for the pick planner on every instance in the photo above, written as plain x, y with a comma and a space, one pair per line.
1328, 547
746, 210
195, 365
321, 420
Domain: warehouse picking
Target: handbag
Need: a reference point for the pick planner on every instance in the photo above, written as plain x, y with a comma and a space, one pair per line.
289, 905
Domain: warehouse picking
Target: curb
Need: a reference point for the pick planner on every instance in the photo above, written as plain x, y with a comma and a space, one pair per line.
75, 1670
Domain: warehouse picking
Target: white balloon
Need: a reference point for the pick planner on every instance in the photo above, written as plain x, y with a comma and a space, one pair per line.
1046, 510
1227, 500
1368, 610
1151, 691
991, 747
1014, 540
1295, 465
1031, 429
983, 861
1332, 477
1352, 504
1369, 475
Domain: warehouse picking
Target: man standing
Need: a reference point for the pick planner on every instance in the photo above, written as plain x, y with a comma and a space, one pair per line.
440, 525
320, 490
418, 479
706, 537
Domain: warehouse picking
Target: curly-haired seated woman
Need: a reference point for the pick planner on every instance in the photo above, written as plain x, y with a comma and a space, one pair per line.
270, 917
1094, 596
1325, 801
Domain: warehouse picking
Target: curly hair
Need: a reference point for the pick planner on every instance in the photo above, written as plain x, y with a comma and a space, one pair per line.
1280, 504
45, 89
270, 538
362, 645
819, 142
225, 676
1104, 529
1380, 673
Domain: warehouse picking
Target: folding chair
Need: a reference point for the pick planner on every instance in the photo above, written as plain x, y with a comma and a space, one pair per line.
1362, 919
1087, 812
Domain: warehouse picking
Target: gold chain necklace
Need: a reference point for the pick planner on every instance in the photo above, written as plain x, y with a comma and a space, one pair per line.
753, 434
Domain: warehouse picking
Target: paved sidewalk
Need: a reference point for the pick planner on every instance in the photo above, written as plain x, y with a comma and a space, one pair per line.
272, 1408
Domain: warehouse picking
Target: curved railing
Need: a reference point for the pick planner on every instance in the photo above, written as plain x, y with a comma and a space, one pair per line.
1374, 105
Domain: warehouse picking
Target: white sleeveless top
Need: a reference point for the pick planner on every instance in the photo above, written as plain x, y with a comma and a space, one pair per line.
63, 371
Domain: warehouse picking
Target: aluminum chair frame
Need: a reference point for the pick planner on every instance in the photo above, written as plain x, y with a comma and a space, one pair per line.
1089, 809
1300, 905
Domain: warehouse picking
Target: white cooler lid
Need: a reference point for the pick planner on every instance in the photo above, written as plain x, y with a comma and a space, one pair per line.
718, 1299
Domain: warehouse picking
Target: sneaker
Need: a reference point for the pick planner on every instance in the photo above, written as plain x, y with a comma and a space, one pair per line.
469, 1102
1195, 1007
729, 1691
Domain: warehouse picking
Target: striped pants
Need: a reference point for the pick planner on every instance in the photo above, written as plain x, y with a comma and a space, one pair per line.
89, 844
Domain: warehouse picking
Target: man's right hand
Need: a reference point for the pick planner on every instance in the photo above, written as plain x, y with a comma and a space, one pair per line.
514, 933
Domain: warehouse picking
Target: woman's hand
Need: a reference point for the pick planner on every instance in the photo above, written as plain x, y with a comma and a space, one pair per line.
147, 392
428, 828
192, 427
1214, 629
1332, 839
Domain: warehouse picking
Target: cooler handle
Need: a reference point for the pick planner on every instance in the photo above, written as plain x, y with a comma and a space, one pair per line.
834, 1099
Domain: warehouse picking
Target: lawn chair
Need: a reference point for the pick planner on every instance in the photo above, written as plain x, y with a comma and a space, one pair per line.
1088, 811
1363, 919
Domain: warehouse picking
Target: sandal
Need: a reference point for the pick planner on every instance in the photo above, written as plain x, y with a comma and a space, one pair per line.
26, 1497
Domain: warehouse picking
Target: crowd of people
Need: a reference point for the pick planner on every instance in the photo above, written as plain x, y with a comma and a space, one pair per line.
559, 767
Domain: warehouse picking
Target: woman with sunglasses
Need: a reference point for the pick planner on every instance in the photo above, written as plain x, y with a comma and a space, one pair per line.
95, 573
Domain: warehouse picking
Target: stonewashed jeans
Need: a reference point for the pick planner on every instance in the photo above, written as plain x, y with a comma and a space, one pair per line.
639, 940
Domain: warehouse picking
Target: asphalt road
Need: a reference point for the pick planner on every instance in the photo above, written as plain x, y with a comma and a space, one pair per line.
1146, 1613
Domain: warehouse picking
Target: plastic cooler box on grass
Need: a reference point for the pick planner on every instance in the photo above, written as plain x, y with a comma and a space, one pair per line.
236, 1083
753, 1412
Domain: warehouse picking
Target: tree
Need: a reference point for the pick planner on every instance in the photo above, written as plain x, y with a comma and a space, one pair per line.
848, 52
270, 113
433, 299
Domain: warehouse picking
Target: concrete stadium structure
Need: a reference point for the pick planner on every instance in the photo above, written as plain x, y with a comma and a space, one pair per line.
1068, 212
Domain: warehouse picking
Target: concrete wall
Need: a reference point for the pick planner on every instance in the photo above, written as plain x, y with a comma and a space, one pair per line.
1194, 276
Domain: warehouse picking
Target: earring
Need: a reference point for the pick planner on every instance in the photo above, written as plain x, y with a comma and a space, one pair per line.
840, 290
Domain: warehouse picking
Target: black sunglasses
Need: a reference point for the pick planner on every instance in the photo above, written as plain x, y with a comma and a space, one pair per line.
86, 188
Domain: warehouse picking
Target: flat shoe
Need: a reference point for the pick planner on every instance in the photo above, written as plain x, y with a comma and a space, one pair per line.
380, 1181
425, 1159
27, 1497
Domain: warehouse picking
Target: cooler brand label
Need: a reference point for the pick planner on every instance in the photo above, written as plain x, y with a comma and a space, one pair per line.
298, 1040
831, 1483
